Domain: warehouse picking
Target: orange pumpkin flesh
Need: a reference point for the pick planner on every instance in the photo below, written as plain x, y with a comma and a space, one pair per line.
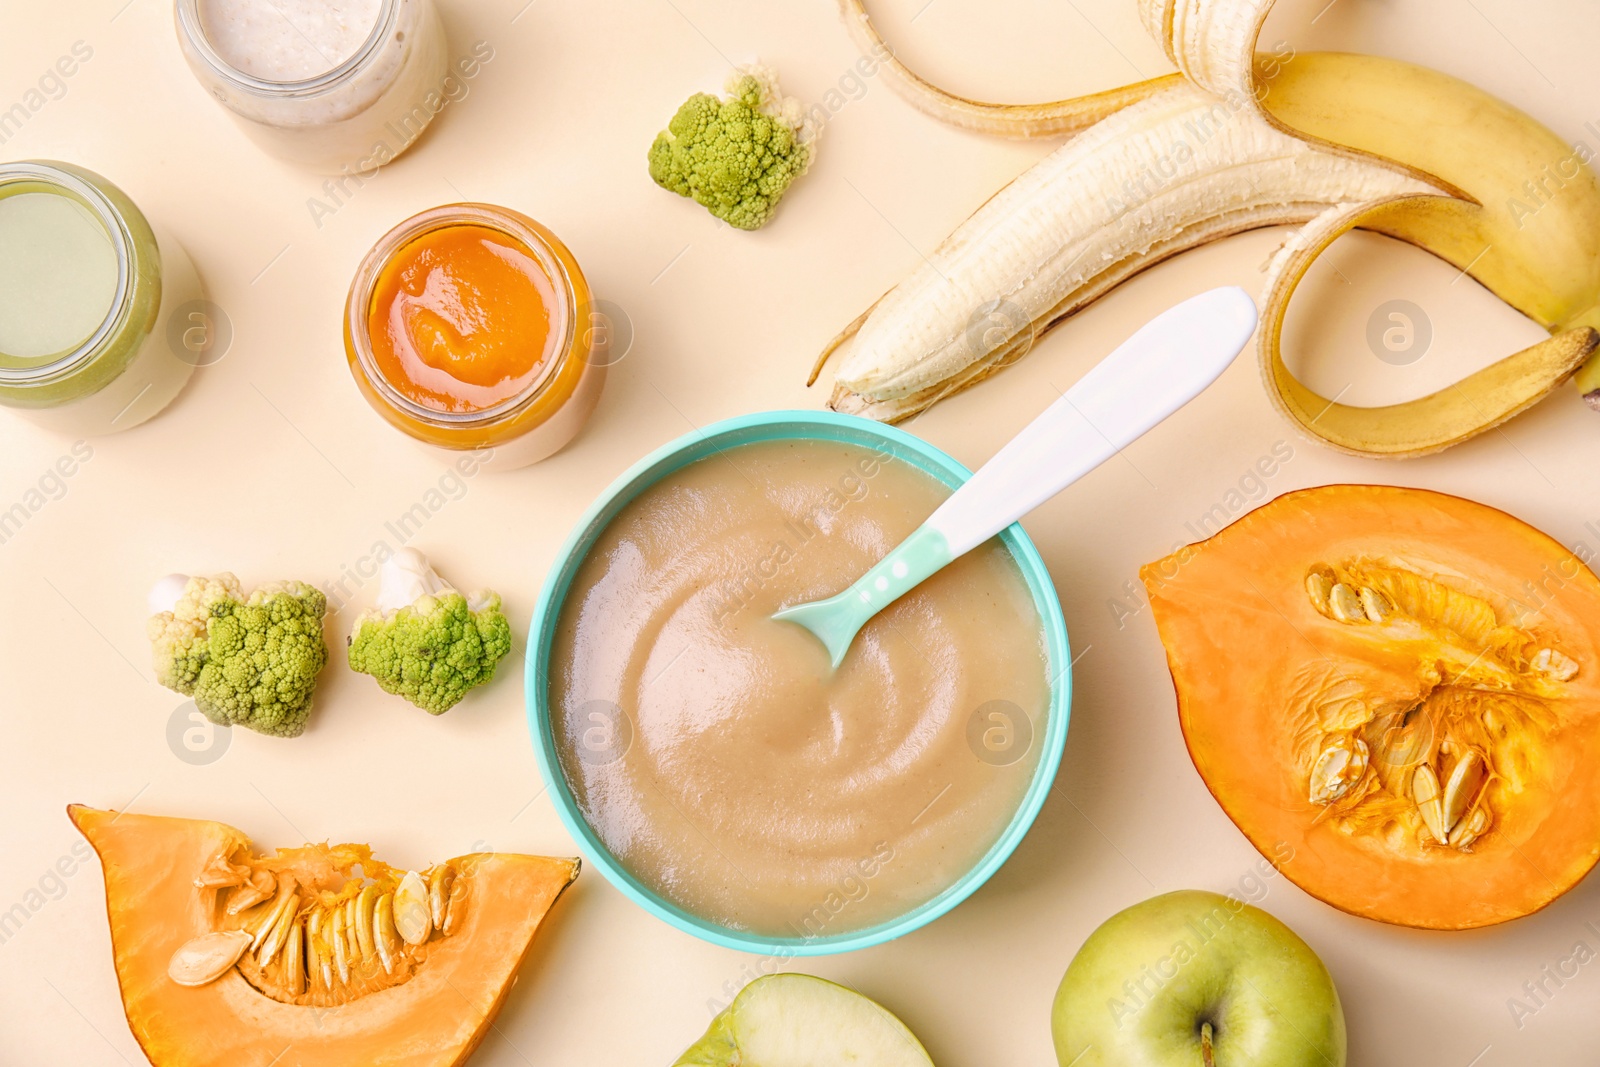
1434, 768
431, 1012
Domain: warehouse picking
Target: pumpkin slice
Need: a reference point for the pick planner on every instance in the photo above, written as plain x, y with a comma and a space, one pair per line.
1398, 689
319, 956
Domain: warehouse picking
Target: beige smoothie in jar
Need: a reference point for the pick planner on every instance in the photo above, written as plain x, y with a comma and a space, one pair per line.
719, 757
340, 86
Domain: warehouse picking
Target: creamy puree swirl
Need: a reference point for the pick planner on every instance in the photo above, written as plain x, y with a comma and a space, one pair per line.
715, 753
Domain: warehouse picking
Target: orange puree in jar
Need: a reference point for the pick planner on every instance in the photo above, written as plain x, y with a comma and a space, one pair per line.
460, 319
470, 329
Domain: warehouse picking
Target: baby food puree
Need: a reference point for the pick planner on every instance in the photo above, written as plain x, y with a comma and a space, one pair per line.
288, 40
715, 752
461, 319
97, 305
58, 275
470, 327
341, 86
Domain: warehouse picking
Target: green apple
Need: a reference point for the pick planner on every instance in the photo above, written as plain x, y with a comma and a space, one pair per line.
1195, 979
795, 1020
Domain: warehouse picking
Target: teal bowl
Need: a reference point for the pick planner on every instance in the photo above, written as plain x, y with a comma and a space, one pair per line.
749, 429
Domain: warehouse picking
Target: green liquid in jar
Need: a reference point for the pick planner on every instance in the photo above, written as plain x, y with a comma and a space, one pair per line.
58, 276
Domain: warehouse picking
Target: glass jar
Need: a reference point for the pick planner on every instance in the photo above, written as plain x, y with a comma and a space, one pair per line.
560, 392
88, 290
356, 116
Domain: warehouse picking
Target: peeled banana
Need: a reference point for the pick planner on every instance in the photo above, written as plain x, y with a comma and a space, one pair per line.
1236, 141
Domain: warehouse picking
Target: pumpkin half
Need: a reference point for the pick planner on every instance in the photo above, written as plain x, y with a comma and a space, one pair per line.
318, 956
1400, 691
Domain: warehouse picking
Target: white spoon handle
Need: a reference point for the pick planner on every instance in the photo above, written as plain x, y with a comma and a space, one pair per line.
1155, 372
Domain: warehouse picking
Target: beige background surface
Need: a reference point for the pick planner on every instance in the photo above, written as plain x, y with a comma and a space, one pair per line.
271, 465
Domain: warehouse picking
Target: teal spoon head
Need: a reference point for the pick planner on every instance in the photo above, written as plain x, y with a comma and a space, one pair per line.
836, 620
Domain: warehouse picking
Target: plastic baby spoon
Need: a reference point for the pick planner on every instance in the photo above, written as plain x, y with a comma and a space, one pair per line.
1163, 366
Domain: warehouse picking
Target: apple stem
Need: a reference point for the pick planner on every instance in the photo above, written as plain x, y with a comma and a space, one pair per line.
1206, 1057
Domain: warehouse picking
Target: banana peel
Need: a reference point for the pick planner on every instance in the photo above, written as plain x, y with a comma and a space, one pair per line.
1535, 247
1511, 205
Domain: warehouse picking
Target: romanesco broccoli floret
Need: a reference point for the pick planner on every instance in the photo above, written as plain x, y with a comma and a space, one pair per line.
425, 640
736, 157
249, 662
180, 609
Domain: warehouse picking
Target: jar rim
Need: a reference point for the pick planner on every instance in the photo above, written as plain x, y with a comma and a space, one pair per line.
106, 212
363, 288
193, 31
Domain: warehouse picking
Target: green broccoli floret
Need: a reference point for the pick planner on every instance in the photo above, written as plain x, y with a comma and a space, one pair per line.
426, 641
249, 662
736, 157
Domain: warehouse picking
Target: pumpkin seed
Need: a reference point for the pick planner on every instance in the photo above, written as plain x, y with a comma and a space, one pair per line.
1461, 789
1553, 664
313, 947
384, 934
1341, 765
1425, 791
208, 957
456, 906
341, 947
279, 933
1470, 829
319, 950
1345, 603
364, 907
351, 921
1319, 583
1375, 605
256, 916
316, 966
1405, 738
260, 887
271, 914
220, 873
294, 965
439, 882
412, 917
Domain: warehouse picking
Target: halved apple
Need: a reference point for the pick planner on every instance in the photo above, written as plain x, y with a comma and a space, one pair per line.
795, 1020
